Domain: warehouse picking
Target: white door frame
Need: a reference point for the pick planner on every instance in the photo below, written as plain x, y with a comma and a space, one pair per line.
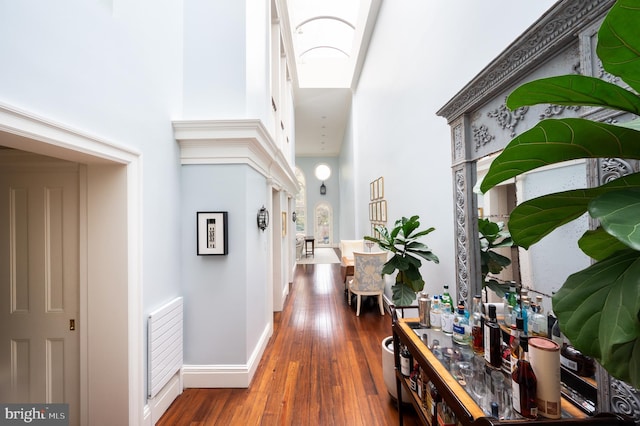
110, 269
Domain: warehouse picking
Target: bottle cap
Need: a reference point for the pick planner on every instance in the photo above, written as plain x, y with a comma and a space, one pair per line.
492, 310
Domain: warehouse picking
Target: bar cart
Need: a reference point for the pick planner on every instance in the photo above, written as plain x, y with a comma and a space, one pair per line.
448, 399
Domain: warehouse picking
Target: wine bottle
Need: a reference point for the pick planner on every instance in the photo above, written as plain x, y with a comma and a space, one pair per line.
492, 339
516, 348
406, 361
524, 384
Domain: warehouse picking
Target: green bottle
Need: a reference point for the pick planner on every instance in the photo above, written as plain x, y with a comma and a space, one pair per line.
446, 297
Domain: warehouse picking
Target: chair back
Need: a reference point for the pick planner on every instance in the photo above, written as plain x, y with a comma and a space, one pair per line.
367, 272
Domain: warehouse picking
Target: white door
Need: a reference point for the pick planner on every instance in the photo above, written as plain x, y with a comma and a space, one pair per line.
39, 273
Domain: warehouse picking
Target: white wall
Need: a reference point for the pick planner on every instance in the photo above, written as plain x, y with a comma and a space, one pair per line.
420, 55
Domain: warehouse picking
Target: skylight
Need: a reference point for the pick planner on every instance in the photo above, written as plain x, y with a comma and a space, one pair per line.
324, 36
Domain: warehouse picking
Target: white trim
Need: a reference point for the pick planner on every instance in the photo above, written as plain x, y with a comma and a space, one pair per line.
59, 140
234, 142
28, 132
227, 376
159, 404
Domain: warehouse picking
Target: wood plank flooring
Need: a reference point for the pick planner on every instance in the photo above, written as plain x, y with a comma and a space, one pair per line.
322, 366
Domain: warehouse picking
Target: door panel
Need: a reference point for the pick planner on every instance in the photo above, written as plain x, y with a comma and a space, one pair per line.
39, 276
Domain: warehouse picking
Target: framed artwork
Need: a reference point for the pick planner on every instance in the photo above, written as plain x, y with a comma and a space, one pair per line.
383, 210
380, 183
284, 224
212, 233
371, 198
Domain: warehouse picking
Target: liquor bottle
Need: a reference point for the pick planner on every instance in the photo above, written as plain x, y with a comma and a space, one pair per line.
525, 309
513, 301
516, 348
413, 378
447, 319
461, 331
477, 326
556, 334
575, 361
539, 320
524, 384
406, 361
433, 399
506, 308
516, 311
446, 297
420, 385
492, 339
435, 314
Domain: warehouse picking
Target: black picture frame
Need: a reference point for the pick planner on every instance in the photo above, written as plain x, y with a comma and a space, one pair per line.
211, 235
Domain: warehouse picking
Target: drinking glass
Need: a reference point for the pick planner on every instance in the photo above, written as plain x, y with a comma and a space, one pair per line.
479, 381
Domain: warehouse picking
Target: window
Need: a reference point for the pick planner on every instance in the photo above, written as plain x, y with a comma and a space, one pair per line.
323, 224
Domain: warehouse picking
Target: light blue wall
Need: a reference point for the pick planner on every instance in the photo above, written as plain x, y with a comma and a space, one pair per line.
115, 75
308, 165
224, 295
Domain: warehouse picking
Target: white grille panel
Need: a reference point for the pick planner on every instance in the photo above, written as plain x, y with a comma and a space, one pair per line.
165, 345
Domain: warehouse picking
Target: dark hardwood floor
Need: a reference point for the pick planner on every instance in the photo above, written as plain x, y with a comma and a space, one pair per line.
322, 366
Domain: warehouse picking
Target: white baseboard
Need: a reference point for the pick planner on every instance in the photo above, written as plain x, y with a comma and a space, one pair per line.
159, 404
227, 376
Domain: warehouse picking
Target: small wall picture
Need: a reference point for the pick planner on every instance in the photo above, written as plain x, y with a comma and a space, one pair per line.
212, 233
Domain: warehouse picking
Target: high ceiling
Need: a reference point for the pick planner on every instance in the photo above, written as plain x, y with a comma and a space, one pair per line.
330, 39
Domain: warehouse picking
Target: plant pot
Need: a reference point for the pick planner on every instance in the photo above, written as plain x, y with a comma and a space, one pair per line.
388, 371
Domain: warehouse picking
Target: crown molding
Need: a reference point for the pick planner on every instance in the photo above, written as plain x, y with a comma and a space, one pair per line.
244, 141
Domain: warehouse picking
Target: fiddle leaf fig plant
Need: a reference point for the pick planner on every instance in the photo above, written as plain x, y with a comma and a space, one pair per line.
598, 308
493, 236
402, 242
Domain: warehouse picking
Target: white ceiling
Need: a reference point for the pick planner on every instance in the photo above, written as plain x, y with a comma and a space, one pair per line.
325, 76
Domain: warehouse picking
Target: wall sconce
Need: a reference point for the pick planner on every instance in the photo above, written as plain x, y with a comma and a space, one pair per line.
294, 216
323, 189
263, 218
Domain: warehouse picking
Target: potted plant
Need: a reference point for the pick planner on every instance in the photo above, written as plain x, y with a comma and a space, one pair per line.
402, 242
492, 235
598, 308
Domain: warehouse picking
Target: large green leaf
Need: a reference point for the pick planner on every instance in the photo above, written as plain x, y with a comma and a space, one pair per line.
574, 90
403, 295
618, 42
554, 141
532, 220
598, 244
619, 215
598, 309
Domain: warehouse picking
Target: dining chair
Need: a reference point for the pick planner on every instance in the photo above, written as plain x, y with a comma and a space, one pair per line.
347, 247
367, 278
